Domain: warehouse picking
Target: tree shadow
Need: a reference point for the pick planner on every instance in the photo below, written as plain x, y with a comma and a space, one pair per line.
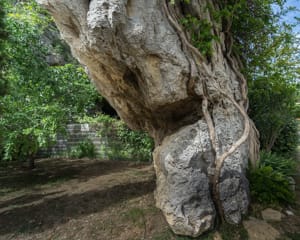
26, 199
55, 171
59, 210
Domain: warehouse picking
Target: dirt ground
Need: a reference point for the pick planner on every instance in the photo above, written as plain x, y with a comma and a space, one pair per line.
79, 199
89, 199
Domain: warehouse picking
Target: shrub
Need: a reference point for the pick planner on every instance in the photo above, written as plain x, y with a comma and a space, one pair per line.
229, 232
39, 99
84, 149
122, 142
297, 110
137, 144
285, 166
288, 138
272, 106
269, 186
269, 183
21, 147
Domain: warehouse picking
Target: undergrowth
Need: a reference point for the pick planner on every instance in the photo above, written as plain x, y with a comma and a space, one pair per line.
85, 148
269, 182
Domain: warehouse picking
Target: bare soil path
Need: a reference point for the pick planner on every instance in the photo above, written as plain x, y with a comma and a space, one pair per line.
79, 199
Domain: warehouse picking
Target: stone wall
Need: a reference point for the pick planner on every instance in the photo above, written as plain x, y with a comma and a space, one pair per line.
75, 134
106, 140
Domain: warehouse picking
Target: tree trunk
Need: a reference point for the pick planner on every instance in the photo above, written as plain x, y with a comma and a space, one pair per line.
194, 106
31, 163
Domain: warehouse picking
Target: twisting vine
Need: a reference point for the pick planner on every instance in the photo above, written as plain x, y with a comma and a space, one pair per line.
249, 129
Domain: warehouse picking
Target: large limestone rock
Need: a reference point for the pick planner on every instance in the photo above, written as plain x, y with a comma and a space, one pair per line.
192, 105
183, 186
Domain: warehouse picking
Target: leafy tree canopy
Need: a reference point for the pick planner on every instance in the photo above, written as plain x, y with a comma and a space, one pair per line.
3, 36
269, 55
40, 98
267, 51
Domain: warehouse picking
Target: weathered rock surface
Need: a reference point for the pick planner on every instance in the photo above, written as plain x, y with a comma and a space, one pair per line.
138, 60
260, 230
270, 214
289, 213
217, 236
182, 190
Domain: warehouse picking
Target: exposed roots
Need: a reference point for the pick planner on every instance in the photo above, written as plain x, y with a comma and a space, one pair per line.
250, 133
211, 127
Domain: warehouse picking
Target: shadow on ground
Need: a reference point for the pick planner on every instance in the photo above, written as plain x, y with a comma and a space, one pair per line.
51, 171
26, 199
26, 206
58, 210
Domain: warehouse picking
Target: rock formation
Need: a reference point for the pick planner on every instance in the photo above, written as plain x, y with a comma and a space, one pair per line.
193, 105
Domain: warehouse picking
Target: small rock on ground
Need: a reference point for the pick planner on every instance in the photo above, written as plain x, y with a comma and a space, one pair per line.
270, 214
217, 236
289, 213
260, 230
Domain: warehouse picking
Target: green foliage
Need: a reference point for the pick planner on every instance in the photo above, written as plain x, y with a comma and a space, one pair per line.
271, 58
283, 165
288, 138
230, 231
293, 236
137, 216
272, 105
84, 149
136, 144
3, 37
70, 86
122, 143
184, 1
269, 54
26, 123
297, 110
200, 32
269, 186
39, 98
269, 183
20, 146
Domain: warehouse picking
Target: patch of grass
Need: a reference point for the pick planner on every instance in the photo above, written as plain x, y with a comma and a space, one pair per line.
166, 235
135, 214
284, 165
138, 217
269, 186
152, 210
293, 236
85, 148
256, 209
233, 232
208, 236
27, 228
169, 235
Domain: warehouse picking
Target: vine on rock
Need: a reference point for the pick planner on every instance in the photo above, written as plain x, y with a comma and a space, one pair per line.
250, 133
200, 32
